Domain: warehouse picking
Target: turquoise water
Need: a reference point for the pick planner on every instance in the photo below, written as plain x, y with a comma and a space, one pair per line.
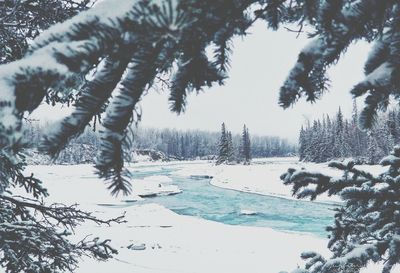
199, 198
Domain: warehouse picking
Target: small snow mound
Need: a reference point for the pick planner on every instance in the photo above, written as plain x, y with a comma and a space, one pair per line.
247, 212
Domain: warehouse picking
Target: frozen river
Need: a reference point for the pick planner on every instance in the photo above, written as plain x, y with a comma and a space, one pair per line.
199, 198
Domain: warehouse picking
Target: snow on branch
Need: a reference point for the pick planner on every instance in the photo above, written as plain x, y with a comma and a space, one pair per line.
338, 25
367, 225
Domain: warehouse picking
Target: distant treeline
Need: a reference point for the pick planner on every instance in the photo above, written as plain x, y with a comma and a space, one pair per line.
193, 144
175, 144
335, 138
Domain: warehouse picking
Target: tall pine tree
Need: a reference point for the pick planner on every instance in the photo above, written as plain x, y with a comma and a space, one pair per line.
223, 146
231, 148
245, 148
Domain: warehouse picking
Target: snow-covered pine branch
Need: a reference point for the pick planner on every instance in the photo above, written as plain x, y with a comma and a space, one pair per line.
367, 226
338, 24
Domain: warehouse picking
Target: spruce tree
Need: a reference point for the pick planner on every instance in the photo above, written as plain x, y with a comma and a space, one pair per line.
223, 146
356, 134
325, 148
230, 148
393, 126
245, 149
302, 144
248, 146
339, 149
321, 143
315, 142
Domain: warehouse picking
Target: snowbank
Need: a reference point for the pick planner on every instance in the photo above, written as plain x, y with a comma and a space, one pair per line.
157, 240
167, 242
72, 184
263, 176
259, 179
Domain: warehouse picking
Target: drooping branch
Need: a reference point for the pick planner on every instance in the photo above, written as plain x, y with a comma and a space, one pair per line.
94, 94
346, 24
140, 72
366, 227
68, 216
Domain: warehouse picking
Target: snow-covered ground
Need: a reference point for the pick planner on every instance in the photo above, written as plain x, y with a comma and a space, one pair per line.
175, 243
263, 176
78, 184
155, 239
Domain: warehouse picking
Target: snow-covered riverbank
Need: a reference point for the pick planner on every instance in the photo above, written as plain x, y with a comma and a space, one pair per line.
175, 243
263, 176
166, 242
71, 184
155, 239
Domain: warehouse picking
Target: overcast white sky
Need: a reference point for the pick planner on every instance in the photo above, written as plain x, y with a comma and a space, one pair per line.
260, 63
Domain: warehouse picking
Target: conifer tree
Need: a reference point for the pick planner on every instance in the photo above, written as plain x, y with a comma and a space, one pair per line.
223, 146
325, 147
182, 149
245, 148
302, 144
393, 126
315, 148
339, 149
355, 132
248, 146
231, 148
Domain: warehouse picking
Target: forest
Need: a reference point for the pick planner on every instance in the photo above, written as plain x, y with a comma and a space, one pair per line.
172, 143
329, 138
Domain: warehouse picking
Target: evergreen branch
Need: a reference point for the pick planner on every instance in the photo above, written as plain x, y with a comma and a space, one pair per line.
378, 55
308, 75
224, 49
140, 73
94, 94
68, 216
366, 226
45, 249
185, 78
